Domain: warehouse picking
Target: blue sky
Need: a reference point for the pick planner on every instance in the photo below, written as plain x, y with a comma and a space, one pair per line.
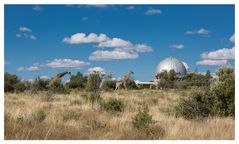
42, 40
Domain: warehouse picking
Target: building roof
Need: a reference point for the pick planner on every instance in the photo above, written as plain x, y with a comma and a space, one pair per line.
171, 63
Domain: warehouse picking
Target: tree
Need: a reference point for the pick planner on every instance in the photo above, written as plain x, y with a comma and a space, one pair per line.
167, 79
10, 82
223, 92
218, 100
77, 81
93, 86
108, 84
40, 85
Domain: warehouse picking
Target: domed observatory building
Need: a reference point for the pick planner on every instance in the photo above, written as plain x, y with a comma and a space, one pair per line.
171, 64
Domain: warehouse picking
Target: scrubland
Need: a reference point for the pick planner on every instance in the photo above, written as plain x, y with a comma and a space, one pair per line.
45, 116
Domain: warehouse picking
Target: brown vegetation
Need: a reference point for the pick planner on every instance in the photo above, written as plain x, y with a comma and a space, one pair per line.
71, 116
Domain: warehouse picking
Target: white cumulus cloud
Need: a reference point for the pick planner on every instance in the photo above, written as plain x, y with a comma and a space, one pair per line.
201, 31
100, 55
115, 42
122, 49
224, 53
80, 38
45, 77
211, 62
31, 68
66, 63
25, 32
96, 69
25, 29
153, 11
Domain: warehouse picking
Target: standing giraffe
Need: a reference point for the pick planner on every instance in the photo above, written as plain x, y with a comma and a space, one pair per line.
123, 80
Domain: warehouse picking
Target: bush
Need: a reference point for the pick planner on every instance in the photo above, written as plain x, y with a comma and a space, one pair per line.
167, 79
112, 105
9, 82
108, 85
40, 85
93, 86
77, 81
130, 84
199, 105
217, 100
223, 92
39, 115
93, 83
19, 87
57, 87
142, 119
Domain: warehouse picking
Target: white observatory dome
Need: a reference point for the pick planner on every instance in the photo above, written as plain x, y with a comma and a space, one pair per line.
171, 64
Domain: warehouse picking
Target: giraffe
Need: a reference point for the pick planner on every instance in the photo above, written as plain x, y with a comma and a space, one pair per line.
123, 80
59, 76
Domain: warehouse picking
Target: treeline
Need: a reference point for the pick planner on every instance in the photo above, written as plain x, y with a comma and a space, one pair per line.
12, 83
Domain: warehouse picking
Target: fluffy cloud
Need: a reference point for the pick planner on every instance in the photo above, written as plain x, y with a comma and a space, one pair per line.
212, 62
122, 49
25, 29
177, 46
66, 63
96, 69
31, 68
232, 38
80, 38
45, 77
37, 8
115, 42
153, 11
100, 55
224, 53
25, 32
200, 31
217, 57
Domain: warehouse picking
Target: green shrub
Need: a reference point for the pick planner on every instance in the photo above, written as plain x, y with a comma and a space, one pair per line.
142, 119
113, 105
57, 87
108, 85
39, 115
9, 82
77, 81
197, 106
40, 85
217, 100
19, 87
223, 92
93, 87
130, 84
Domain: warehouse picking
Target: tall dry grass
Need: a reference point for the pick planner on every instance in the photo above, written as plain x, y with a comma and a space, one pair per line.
72, 117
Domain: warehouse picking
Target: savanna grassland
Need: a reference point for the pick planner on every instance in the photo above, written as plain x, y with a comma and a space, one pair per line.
71, 116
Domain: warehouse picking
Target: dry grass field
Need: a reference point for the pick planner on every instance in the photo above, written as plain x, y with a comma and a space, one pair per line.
70, 116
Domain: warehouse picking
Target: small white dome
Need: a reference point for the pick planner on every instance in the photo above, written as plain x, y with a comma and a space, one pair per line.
171, 64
